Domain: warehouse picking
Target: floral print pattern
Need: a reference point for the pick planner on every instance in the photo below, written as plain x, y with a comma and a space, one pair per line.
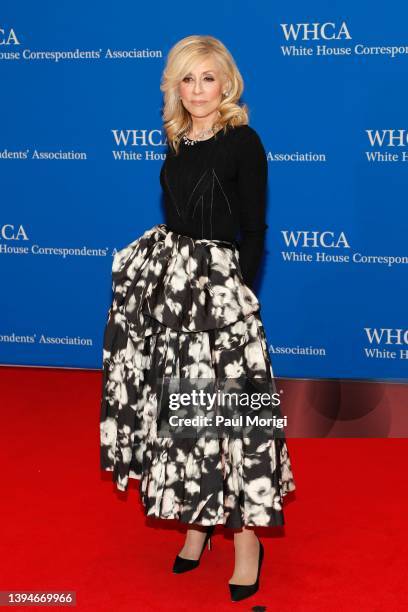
181, 308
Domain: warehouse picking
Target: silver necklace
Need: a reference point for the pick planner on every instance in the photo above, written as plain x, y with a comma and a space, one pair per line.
200, 135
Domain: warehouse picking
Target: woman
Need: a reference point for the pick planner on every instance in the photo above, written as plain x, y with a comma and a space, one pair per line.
184, 308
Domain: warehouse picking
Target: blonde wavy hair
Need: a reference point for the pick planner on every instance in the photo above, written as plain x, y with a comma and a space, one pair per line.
180, 60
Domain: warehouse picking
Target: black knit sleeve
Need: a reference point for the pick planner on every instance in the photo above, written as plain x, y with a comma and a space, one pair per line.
252, 186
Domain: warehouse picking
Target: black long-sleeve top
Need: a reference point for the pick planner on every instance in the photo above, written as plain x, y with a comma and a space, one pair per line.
216, 188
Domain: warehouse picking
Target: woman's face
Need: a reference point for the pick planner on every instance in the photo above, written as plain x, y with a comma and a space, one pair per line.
201, 89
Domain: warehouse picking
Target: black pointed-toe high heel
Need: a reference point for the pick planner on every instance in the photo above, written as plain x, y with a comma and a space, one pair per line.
242, 591
182, 565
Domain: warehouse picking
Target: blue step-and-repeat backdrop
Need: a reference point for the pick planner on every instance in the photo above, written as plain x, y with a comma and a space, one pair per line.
82, 145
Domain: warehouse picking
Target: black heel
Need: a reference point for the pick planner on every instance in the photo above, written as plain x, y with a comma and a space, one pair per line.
242, 591
182, 565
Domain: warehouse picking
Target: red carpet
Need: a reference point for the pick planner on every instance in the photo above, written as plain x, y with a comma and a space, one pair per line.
64, 526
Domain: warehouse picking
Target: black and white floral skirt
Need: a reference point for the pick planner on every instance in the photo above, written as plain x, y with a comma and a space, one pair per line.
181, 309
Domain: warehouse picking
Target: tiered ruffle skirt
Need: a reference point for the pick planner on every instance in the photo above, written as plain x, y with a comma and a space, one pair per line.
180, 308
